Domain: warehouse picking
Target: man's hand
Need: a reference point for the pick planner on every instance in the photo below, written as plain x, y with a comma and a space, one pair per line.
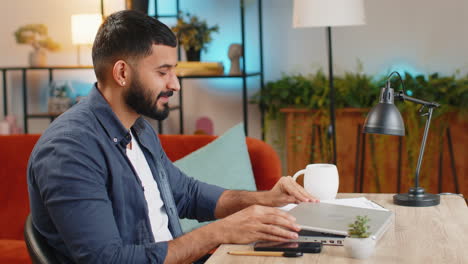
287, 191
255, 223
251, 224
247, 218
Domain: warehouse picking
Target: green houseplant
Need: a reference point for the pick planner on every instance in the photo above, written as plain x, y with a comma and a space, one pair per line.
359, 228
359, 244
37, 36
287, 103
301, 102
193, 35
356, 94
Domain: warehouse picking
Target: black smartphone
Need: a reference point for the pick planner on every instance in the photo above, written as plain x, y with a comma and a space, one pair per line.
304, 247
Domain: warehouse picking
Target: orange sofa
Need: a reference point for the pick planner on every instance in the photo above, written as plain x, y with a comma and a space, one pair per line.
14, 203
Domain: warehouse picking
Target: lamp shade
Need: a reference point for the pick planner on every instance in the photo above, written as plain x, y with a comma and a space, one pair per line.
84, 28
328, 13
384, 118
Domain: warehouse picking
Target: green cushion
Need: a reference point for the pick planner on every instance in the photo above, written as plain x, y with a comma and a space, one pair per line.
224, 162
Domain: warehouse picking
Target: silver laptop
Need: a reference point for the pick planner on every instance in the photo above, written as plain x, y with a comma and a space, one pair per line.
334, 219
324, 238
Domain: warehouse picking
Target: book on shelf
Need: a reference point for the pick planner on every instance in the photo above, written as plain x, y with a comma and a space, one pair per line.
185, 68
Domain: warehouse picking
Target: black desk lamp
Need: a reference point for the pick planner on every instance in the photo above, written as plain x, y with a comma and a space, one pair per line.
385, 119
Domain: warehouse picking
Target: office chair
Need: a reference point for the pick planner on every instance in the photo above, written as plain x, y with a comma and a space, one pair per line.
39, 251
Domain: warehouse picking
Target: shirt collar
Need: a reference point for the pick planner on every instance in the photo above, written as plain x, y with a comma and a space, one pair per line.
109, 120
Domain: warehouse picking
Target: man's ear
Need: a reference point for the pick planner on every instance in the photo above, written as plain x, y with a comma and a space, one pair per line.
121, 73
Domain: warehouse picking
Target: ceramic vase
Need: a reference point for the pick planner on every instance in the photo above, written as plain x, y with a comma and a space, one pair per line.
38, 58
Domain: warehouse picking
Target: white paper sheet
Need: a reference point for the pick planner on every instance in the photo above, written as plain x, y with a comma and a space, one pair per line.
361, 202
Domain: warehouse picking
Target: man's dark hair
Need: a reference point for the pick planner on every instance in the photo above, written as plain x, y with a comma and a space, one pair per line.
128, 35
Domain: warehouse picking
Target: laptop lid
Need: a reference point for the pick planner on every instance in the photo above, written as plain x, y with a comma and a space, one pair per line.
334, 219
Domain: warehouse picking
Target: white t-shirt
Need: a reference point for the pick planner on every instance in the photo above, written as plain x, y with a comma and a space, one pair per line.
157, 212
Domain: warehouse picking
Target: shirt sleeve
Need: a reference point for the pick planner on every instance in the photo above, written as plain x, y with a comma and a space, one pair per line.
194, 199
72, 185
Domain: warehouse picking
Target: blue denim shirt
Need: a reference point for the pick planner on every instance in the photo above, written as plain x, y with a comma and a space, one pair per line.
86, 198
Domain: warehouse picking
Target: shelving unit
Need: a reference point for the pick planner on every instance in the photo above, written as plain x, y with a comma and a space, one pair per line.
24, 71
243, 76
52, 69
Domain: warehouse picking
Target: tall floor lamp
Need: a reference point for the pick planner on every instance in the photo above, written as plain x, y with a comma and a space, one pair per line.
329, 13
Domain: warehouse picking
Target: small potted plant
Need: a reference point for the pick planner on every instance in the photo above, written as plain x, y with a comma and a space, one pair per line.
193, 35
59, 97
359, 244
36, 35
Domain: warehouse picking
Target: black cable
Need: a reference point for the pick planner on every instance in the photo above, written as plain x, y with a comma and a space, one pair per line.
401, 80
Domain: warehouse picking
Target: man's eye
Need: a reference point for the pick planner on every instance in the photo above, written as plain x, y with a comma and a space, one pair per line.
162, 73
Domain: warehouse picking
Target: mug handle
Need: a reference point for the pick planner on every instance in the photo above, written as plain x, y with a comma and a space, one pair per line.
297, 174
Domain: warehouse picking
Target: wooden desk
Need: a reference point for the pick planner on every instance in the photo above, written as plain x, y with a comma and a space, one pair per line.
426, 235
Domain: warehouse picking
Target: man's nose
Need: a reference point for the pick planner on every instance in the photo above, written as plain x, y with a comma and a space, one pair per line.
173, 84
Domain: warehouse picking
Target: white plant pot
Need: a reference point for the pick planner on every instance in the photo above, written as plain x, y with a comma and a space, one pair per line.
360, 248
38, 58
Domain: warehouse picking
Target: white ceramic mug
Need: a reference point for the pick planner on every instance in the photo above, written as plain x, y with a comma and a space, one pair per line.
320, 180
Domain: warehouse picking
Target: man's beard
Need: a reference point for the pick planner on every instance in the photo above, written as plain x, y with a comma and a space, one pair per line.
141, 101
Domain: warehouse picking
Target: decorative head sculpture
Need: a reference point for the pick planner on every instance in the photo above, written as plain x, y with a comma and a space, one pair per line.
234, 54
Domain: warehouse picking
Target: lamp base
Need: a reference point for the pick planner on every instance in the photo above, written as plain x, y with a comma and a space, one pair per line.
416, 197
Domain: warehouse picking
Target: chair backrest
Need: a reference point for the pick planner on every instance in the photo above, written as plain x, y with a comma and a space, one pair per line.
39, 251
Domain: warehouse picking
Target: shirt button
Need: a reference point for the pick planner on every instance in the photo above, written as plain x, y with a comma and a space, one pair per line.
115, 140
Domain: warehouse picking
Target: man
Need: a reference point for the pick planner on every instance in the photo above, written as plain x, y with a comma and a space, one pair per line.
101, 188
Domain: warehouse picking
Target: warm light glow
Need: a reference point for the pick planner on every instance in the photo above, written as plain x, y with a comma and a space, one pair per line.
328, 13
84, 28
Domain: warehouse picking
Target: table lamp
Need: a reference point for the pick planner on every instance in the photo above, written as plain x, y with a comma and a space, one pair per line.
84, 29
384, 118
328, 13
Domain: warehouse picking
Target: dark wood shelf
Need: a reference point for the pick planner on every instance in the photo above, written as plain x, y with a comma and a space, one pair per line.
62, 67
55, 115
166, 16
219, 76
43, 115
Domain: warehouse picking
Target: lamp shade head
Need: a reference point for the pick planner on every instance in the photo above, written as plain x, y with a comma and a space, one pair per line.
84, 28
328, 13
384, 118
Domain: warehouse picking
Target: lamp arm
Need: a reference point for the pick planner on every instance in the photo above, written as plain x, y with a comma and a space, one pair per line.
423, 145
401, 96
430, 105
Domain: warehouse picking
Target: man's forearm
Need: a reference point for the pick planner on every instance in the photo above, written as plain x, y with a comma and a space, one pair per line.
285, 191
199, 242
193, 245
232, 201
243, 226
